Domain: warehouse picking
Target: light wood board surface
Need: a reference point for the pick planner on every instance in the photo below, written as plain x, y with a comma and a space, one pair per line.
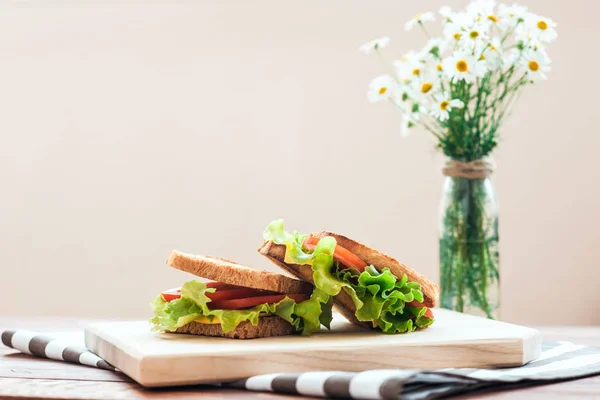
455, 340
23, 376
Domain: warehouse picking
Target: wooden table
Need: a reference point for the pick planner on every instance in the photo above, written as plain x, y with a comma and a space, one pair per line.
25, 376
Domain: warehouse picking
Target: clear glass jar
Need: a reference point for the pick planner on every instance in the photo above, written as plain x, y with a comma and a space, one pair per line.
469, 262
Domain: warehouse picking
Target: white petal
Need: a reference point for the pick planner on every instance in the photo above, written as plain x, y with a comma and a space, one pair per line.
457, 103
445, 11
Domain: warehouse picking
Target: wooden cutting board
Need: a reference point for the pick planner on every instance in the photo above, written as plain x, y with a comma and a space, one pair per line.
454, 340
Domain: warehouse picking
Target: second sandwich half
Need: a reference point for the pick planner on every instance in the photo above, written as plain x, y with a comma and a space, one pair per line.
370, 289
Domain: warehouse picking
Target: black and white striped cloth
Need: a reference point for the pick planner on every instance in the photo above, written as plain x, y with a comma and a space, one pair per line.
558, 361
40, 345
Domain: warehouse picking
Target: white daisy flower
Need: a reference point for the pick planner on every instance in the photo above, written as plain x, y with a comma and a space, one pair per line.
426, 86
401, 98
410, 56
484, 12
463, 65
443, 105
434, 43
439, 67
511, 15
535, 64
540, 27
536, 46
422, 90
492, 19
376, 45
419, 19
455, 29
453, 32
493, 54
381, 88
410, 66
474, 36
481, 7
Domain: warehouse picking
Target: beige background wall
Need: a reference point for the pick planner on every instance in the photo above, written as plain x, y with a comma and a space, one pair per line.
132, 129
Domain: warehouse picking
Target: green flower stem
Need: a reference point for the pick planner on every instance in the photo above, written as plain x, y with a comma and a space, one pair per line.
424, 30
468, 248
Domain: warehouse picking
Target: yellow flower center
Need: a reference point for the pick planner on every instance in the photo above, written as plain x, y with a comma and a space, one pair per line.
382, 90
439, 67
482, 57
542, 25
474, 34
416, 71
462, 66
478, 18
417, 16
492, 47
493, 18
457, 36
426, 87
444, 105
533, 65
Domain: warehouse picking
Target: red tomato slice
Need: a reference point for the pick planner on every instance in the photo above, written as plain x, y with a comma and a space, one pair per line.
240, 293
171, 294
414, 303
236, 304
223, 292
222, 288
340, 254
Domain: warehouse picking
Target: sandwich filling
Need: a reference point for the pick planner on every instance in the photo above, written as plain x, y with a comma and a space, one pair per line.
390, 303
229, 305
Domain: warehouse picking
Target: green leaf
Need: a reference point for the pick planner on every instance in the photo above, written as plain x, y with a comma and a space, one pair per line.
276, 233
305, 316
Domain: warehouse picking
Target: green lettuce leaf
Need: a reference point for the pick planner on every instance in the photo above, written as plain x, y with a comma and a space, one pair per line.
379, 297
384, 298
305, 316
276, 233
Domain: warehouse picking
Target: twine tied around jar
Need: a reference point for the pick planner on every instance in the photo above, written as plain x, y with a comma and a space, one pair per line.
476, 169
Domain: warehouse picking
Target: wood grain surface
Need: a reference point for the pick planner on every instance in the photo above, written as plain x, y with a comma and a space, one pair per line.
22, 376
158, 360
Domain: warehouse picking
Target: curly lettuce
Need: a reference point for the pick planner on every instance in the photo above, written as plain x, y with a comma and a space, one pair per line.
379, 297
305, 317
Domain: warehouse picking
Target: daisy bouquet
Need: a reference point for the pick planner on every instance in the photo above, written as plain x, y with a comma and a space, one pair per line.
460, 88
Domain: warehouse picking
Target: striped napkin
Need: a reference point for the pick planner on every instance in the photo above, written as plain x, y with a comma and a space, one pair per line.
558, 361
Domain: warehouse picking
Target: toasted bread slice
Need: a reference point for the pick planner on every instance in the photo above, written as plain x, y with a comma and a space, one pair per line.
218, 269
431, 291
343, 302
267, 326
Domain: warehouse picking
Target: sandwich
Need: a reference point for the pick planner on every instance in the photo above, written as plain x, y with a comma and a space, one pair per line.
238, 302
369, 288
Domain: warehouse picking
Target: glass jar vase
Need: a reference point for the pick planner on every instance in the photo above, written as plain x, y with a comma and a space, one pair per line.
469, 261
